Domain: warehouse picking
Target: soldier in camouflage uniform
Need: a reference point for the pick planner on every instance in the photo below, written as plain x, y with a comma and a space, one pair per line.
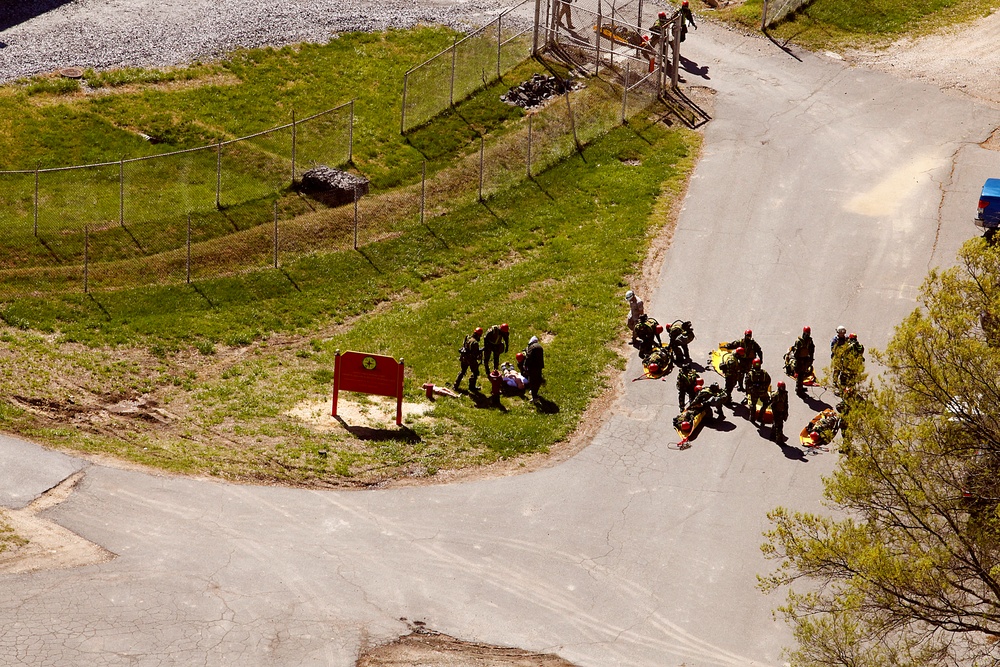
470, 356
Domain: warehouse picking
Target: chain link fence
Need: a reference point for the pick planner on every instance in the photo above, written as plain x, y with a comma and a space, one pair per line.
776, 10
470, 64
231, 207
159, 218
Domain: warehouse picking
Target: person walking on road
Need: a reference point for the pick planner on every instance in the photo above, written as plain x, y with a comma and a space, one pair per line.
534, 362
848, 365
635, 309
840, 338
758, 384
687, 18
470, 356
779, 412
803, 353
749, 345
495, 342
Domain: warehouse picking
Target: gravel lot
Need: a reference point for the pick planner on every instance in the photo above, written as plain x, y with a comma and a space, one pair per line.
40, 36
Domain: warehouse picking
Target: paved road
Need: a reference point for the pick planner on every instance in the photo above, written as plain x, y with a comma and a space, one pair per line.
823, 196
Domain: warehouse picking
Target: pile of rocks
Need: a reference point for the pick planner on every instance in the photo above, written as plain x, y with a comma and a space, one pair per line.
332, 186
536, 90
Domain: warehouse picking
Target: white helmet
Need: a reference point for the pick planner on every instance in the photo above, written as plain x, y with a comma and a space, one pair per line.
629, 295
841, 329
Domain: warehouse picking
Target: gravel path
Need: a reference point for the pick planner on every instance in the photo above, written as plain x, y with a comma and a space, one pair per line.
45, 35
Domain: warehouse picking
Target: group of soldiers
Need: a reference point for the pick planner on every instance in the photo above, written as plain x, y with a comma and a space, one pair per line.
484, 348
741, 367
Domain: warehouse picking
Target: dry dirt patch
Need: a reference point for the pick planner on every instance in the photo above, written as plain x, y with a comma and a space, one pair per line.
378, 412
426, 648
962, 58
49, 546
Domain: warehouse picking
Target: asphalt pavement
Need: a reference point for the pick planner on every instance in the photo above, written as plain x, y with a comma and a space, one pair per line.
823, 196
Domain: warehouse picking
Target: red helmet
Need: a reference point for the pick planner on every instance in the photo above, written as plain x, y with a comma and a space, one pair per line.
853, 336
659, 328
519, 356
504, 328
814, 436
699, 383
806, 331
740, 351
662, 15
684, 3
478, 332
685, 426
654, 368
781, 385
756, 361
748, 333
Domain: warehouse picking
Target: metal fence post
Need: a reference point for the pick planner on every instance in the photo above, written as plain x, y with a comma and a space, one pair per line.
350, 136
451, 91
86, 258
639, 20
423, 191
275, 234
676, 55
121, 191
534, 33
35, 207
530, 117
218, 176
294, 138
611, 51
189, 250
482, 153
763, 17
402, 116
499, 43
625, 92
355, 218
597, 60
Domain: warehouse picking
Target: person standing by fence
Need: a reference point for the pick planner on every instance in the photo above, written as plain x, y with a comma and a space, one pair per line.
565, 12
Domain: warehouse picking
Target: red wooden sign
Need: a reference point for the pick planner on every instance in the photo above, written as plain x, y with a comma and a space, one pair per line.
368, 374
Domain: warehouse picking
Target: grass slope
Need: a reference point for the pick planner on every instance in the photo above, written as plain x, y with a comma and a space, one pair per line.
213, 377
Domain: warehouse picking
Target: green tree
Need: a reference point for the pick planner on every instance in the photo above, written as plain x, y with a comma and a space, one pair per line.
905, 568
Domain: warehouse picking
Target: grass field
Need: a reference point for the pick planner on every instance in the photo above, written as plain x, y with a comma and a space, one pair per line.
215, 377
848, 23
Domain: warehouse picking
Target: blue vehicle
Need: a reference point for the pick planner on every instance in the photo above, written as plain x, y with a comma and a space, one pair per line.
989, 208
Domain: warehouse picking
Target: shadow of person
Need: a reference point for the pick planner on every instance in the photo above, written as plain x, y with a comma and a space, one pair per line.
793, 453
692, 67
486, 401
814, 403
545, 406
723, 426
398, 434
